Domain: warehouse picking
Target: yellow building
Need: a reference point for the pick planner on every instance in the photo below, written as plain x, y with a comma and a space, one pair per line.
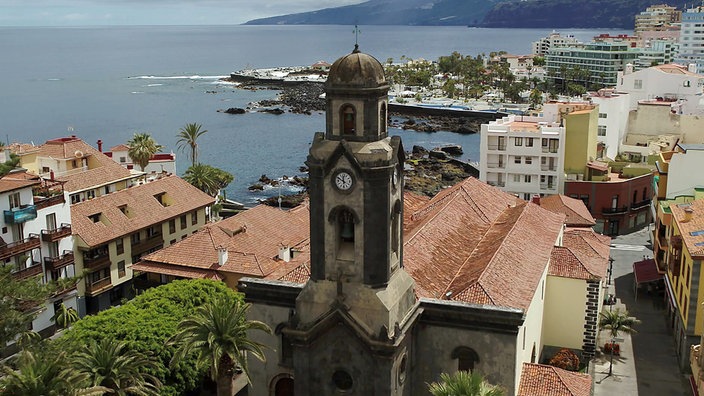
113, 231
580, 140
684, 281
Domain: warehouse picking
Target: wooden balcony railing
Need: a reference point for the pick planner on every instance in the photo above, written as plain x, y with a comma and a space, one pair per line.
150, 243
14, 248
45, 202
96, 262
33, 270
54, 235
94, 288
56, 263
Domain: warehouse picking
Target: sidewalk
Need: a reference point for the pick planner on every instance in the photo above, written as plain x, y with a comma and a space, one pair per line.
647, 365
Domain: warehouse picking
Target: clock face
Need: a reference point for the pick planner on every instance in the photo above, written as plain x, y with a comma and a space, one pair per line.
343, 181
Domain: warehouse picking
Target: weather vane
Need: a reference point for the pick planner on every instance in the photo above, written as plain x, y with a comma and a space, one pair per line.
356, 32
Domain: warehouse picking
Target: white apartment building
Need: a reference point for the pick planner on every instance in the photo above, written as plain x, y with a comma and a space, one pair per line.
670, 83
603, 61
657, 52
657, 18
554, 39
692, 38
36, 239
613, 119
523, 156
159, 163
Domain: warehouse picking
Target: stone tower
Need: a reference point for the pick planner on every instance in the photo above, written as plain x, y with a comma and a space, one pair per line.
350, 330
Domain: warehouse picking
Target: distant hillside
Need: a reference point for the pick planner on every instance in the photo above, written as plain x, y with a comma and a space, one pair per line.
482, 13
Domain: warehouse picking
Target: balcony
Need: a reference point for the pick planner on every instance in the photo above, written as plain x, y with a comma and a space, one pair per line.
495, 165
500, 147
640, 205
54, 235
548, 186
20, 215
18, 247
155, 241
614, 211
496, 183
56, 263
93, 288
28, 272
45, 202
95, 262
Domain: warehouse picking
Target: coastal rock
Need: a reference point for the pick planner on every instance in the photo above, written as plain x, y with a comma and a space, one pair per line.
276, 111
256, 187
437, 154
235, 110
419, 150
452, 149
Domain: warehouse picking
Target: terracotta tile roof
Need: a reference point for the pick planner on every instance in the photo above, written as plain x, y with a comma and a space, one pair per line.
141, 202
175, 270
16, 181
673, 68
252, 239
584, 254
471, 241
577, 213
104, 172
692, 231
544, 380
120, 147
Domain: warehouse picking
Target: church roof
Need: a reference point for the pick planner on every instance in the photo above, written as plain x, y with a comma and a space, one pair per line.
577, 213
356, 70
469, 243
544, 380
584, 254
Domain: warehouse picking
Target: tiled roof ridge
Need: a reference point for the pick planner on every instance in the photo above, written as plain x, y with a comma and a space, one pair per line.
577, 258
447, 194
428, 220
560, 374
500, 219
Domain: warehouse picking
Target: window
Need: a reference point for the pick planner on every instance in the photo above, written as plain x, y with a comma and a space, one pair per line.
529, 160
183, 222
637, 84
123, 159
123, 209
75, 198
172, 226
94, 217
194, 217
136, 239
121, 268
529, 142
518, 141
161, 198
107, 189
502, 143
466, 357
153, 231
601, 130
527, 178
119, 245
517, 159
90, 194
602, 115
516, 178
14, 200
348, 115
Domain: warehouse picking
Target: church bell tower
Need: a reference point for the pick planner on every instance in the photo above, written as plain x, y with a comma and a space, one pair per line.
356, 244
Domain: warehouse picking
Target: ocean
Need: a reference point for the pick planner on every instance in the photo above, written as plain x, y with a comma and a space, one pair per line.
110, 82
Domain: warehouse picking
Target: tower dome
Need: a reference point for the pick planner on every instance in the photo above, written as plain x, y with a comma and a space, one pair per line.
356, 70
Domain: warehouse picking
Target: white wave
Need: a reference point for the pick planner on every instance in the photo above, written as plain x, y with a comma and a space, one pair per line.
154, 85
137, 92
53, 79
192, 77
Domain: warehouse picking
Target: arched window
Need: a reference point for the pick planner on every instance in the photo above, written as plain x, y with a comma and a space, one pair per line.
349, 120
383, 118
466, 357
345, 222
282, 385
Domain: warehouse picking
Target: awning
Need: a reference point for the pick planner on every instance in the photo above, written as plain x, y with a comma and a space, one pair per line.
645, 271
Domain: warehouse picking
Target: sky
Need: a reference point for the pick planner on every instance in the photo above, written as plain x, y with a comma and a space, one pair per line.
151, 12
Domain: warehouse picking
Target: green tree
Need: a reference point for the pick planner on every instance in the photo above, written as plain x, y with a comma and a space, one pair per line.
16, 297
45, 376
110, 364
142, 148
464, 383
539, 61
207, 178
218, 334
617, 322
536, 98
65, 316
146, 323
188, 137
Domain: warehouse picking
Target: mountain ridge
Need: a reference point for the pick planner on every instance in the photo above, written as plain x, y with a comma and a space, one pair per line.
476, 13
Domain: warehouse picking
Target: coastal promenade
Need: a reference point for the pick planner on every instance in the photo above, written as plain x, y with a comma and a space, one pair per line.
647, 365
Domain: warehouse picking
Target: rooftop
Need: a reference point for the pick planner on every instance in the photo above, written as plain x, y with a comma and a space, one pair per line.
584, 254
544, 380
577, 213
692, 229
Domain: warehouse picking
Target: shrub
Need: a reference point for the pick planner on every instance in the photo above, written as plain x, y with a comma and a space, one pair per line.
565, 359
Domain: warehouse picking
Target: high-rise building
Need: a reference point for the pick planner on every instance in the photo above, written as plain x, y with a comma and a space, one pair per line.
600, 63
657, 18
692, 38
554, 39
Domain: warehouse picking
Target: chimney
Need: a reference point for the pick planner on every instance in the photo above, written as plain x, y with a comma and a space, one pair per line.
688, 214
535, 199
285, 253
222, 255
100, 145
51, 175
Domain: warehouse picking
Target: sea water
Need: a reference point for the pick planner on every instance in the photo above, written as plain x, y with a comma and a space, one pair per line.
110, 82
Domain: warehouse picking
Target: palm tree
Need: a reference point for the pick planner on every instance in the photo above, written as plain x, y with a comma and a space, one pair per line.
464, 383
142, 149
65, 316
617, 322
110, 364
47, 376
187, 137
218, 333
207, 178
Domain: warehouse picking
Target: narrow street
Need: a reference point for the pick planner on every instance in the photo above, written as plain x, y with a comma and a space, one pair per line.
656, 372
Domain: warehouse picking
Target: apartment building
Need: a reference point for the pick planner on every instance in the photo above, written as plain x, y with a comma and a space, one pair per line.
613, 117
159, 163
114, 231
601, 60
660, 17
523, 155
36, 239
692, 39
554, 39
